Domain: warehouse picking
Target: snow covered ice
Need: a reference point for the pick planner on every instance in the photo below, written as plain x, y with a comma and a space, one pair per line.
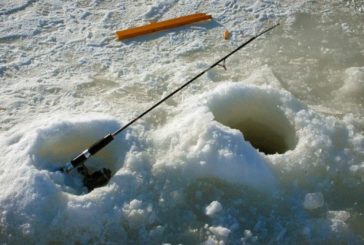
269, 151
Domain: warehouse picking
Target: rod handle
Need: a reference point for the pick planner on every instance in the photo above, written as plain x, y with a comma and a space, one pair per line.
92, 150
100, 144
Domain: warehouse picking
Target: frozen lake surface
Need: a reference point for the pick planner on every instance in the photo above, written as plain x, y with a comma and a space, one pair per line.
269, 151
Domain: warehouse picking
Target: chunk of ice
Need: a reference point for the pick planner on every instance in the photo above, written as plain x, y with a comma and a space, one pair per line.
313, 200
213, 208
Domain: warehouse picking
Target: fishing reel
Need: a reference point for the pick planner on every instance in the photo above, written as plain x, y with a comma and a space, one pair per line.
96, 179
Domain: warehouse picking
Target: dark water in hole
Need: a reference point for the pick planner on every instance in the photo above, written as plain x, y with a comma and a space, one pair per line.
264, 138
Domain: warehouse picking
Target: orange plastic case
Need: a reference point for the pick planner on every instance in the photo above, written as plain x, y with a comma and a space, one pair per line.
160, 26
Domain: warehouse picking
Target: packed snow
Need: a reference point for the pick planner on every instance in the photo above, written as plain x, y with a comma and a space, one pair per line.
270, 150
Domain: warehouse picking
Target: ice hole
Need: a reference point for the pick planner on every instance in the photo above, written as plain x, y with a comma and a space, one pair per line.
262, 137
54, 147
260, 120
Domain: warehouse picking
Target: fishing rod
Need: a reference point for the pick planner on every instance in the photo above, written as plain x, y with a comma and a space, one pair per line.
102, 176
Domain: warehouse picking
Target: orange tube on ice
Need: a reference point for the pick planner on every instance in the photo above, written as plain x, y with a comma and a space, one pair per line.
160, 26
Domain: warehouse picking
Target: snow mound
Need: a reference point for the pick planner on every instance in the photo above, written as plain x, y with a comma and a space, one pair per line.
57, 141
204, 139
